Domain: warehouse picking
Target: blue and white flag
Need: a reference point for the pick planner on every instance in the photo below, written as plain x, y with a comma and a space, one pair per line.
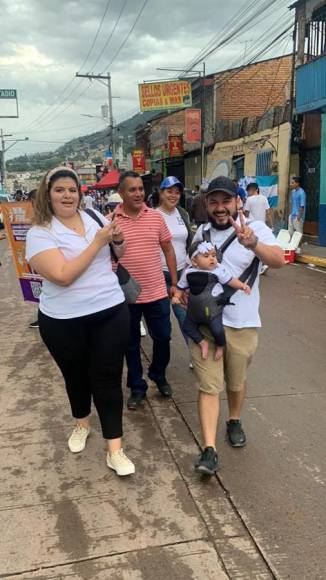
268, 186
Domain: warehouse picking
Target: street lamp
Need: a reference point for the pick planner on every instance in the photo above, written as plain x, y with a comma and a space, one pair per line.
3, 150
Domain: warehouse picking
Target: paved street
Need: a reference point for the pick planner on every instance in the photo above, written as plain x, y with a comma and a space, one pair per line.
68, 516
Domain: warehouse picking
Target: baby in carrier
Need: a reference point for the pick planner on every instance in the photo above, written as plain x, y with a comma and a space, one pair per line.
204, 279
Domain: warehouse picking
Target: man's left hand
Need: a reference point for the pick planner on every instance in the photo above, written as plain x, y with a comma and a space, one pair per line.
172, 291
246, 236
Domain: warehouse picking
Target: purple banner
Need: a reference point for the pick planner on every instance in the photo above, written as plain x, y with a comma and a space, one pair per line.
31, 288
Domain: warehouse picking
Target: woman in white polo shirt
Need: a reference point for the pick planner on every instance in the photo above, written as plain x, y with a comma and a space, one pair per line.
177, 220
83, 318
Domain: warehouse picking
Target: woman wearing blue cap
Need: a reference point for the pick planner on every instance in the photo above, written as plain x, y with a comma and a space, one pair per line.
177, 220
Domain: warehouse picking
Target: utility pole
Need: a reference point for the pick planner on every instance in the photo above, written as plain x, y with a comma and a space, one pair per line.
2, 154
2, 160
106, 80
203, 119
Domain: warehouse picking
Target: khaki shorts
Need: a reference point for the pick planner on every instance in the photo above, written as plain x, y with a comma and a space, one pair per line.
241, 345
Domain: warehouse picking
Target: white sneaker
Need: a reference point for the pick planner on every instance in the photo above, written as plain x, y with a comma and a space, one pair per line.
191, 365
77, 439
120, 463
142, 329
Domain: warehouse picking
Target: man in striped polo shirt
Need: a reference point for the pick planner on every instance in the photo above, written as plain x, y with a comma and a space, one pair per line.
145, 232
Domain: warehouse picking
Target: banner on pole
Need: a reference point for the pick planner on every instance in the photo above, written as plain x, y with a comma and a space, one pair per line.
166, 95
17, 219
175, 145
138, 160
193, 125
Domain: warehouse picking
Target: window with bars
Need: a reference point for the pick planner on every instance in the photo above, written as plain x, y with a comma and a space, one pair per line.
264, 162
316, 35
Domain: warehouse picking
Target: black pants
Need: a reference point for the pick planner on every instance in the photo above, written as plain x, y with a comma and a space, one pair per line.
215, 325
89, 351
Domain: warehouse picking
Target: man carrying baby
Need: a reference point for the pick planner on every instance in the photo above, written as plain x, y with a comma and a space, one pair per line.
240, 315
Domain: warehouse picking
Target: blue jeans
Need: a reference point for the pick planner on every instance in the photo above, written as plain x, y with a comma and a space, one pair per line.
179, 311
157, 317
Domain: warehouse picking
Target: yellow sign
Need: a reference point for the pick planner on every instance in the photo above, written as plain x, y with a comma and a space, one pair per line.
167, 95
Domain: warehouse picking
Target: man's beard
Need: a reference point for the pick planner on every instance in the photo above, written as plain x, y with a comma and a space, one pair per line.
222, 226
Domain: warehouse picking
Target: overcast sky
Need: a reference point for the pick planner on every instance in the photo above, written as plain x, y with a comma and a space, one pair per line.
43, 43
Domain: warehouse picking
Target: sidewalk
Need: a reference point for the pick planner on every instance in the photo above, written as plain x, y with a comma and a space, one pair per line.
69, 516
66, 516
312, 254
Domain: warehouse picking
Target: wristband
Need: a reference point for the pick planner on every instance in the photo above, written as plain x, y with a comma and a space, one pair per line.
118, 243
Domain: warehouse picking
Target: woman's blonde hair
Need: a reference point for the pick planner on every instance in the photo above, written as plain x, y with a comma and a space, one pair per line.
43, 212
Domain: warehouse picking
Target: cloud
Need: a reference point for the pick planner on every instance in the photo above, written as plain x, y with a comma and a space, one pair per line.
44, 43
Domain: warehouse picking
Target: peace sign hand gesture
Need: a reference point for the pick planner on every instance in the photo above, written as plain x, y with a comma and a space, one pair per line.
246, 236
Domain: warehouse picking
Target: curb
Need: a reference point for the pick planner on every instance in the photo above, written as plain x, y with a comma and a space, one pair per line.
311, 260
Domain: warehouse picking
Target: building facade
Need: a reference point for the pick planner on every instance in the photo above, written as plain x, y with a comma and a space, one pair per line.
309, 126
246, 116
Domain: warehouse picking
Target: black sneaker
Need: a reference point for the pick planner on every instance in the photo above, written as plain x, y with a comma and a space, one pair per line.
235, 434
207, 462
34, 324
165, 389
135, 400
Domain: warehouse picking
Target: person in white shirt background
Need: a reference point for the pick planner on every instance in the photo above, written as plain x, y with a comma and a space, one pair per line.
83, 317
88, 201
178, 222
257, 206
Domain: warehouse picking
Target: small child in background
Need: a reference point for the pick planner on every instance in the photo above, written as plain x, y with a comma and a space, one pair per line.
204, 279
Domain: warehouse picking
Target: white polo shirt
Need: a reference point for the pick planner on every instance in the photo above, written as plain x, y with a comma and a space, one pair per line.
245, 311
95, 290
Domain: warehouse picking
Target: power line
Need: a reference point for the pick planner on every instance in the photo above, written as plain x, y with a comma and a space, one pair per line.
57, 129
96, 35
233, 33
49, 109
127, 36
113, 58
110, 35
82, 80
220, 35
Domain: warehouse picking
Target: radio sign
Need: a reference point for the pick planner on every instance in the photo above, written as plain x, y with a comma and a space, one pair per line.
8, 94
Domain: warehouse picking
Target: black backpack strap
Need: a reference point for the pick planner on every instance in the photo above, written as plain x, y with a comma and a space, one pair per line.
95, 217
249, 276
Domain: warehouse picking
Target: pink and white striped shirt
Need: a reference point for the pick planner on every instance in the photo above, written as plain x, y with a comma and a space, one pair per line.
144, 235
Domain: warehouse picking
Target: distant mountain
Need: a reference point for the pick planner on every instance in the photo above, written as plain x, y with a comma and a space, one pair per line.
81, 149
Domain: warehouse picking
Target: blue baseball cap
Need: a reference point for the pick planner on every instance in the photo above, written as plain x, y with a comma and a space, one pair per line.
170, 182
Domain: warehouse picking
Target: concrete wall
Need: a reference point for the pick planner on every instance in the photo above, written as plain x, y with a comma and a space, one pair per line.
220, 160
